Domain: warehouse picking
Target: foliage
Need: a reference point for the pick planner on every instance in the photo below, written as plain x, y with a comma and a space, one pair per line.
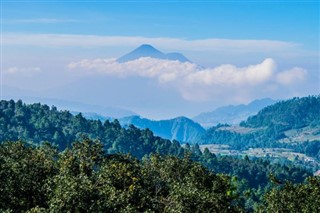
36, 123
23, 174
294, 197
255, 171
293, 113
85, 179
93, 176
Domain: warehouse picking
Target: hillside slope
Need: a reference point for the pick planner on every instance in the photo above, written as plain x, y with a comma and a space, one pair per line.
37, 123
293, 124
293, 113
180, 128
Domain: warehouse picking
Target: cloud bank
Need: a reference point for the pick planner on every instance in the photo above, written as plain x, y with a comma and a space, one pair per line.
209, 44
196, 83
291, 76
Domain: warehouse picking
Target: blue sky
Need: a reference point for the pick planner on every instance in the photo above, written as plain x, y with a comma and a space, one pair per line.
42, 38
295, 21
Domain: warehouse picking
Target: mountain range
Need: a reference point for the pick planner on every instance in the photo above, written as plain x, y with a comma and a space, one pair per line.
184, 129
181, 128
232, 114
90, 111
289, 129
147, 50
80, 146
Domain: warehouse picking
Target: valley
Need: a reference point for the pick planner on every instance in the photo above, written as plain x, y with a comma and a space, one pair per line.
274, 132
265, 147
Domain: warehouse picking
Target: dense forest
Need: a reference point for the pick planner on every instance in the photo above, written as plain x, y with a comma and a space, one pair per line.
83, 178
290, 114
36, 123
86, 167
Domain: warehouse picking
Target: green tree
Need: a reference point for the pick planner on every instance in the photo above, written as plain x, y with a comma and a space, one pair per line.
24, 171
72, 188
304, 197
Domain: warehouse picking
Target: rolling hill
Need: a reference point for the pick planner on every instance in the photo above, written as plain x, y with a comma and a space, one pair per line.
39, 125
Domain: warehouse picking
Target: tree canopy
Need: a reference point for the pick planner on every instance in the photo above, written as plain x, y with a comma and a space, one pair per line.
96, 173
85, 179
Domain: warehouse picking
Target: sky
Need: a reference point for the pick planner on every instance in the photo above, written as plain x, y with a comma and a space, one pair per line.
239, 51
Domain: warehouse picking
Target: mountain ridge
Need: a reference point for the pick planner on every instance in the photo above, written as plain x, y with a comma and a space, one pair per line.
232, 114
180, 128
146, 50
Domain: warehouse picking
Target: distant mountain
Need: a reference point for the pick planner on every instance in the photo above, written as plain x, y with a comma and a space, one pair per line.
89, 111
147, 50
177, 57
92, 116
232, 114
10, 92
180, 128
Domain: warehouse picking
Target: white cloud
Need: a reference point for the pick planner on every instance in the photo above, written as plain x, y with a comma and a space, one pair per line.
232, 75
210, 44
200, 84
163, 70
22, 70
291, 76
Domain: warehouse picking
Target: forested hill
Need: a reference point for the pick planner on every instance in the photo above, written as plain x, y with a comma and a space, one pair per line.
293, 125
293, 113
36, 123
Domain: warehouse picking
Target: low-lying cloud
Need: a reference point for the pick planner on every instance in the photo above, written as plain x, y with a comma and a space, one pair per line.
291, 76
197, 83
22, 70
163, 70
231, 75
